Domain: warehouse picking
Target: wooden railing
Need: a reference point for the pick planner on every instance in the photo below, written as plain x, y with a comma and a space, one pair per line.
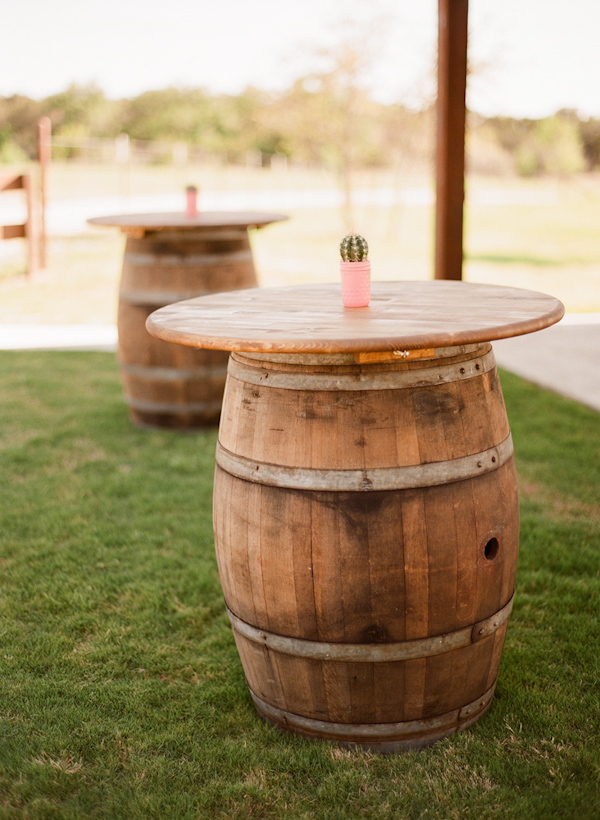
30, 229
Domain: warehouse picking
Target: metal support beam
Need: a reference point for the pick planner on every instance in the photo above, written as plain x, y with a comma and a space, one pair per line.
450, 155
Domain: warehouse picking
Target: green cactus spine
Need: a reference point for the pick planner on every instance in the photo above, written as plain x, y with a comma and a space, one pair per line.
354, 248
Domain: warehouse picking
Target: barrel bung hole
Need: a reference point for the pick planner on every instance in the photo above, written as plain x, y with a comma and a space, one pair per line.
491, 549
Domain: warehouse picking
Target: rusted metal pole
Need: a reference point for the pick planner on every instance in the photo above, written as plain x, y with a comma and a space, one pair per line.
450, 155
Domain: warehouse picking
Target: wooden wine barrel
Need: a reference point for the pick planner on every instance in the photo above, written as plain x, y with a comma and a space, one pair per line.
167, 385
171, 257
365, 503
366, 528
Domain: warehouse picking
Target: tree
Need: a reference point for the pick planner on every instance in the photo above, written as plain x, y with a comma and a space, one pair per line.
83, 109
168, 114
553, 145
589, 131
18, 118
327, 116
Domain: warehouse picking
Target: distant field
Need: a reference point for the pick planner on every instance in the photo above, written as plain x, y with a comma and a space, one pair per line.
538, 234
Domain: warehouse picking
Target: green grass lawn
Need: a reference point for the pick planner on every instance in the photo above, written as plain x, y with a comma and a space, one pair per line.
121, 693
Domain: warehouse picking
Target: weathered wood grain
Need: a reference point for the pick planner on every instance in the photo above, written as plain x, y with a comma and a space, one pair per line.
450, 142
169, 385
355, 606
312, 319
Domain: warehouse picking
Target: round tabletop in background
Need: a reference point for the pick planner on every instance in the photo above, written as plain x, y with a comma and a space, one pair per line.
180, 220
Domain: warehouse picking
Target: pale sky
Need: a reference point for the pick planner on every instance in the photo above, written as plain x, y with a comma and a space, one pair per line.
531, 57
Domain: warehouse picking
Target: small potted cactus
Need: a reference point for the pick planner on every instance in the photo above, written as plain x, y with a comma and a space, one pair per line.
355, 270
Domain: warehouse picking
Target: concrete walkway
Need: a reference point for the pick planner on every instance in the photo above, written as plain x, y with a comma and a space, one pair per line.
564, 358
58, 337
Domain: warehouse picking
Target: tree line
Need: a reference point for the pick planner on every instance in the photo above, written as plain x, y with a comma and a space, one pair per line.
326, 120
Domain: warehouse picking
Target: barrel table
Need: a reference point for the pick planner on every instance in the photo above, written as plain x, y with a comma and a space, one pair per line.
170, 257
365, 501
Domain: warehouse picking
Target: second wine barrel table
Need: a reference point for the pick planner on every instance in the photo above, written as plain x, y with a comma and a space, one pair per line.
170, 257
365, 502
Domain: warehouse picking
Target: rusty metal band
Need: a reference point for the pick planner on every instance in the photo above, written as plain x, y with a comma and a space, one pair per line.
158, 298
376, 731
373, 652
169, 374
168, 407
161, 298
378, 380
341, 359
192, 260
368, 480
194, 234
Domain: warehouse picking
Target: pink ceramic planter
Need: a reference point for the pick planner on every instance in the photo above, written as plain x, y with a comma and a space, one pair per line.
191, 204
356, 283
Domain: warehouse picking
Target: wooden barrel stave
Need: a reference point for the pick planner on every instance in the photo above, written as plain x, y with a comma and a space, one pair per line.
378, 692
337, 429
185, 264
380, 568
314, 590
168, 385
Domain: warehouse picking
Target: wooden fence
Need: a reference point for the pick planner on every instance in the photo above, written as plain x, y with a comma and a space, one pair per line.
31, 228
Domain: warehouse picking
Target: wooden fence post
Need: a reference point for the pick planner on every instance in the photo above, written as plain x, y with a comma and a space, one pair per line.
32, 225
29, 230
45, 157
450, 154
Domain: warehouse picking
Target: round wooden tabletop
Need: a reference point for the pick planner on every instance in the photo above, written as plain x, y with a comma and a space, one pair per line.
180, 220
312, 319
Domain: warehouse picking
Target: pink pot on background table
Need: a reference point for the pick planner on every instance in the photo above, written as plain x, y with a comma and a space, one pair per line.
191, 203
356, 283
